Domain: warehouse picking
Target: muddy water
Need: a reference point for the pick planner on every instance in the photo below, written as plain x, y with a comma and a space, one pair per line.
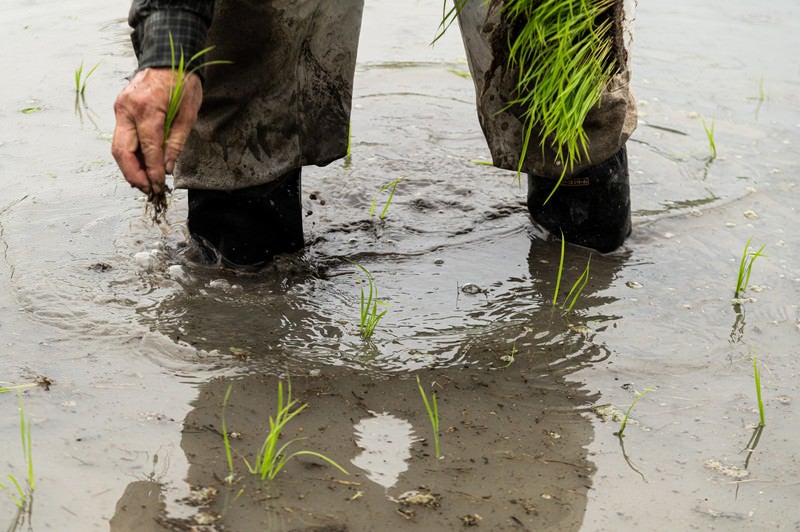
141, 344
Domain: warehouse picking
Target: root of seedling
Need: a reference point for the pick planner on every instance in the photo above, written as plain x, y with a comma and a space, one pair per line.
157, 205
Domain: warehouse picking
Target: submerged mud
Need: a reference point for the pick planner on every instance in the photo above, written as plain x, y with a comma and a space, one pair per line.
140, 342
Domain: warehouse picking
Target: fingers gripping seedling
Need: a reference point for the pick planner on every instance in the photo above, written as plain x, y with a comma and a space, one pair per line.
181, 70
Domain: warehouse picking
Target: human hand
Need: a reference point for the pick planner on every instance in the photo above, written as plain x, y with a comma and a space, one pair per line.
138, 141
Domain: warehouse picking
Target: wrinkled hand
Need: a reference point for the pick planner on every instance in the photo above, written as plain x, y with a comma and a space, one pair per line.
138, 141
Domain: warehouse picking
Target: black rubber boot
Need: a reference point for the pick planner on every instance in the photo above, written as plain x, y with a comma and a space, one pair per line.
592, 208
249, 226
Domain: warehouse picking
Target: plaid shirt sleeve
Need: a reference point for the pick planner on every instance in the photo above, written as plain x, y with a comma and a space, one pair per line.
154, 20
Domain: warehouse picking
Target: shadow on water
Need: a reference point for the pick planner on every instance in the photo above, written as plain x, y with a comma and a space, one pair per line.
514, 430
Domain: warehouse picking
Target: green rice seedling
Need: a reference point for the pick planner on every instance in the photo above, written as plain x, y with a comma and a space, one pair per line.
181, 70
560, 270
710, 134
391, 187
577, 286
628, 412
757, 378
369, 305
746, 267
433, 414
80, 79
509, 358
226, 439
271, 458
23, 495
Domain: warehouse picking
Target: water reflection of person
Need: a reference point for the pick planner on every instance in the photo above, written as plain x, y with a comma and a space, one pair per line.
285, 101
514, 439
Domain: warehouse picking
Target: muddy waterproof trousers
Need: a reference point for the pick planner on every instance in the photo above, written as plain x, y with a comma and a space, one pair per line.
285, 100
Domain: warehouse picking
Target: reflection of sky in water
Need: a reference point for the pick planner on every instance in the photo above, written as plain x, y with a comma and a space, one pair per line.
386, 442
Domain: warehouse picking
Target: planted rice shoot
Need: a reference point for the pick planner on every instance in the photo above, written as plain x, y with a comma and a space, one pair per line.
23, 496
391, 187
628, 412
433, 414
757, 378
369, 315
746, 267
710, 135
577, 287
226, 439
272, 456
80, 79
181, 70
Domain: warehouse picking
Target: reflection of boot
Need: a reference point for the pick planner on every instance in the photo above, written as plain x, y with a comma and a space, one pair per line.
592, 208
249, 226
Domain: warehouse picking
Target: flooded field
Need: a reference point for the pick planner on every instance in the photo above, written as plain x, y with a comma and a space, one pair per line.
130, 346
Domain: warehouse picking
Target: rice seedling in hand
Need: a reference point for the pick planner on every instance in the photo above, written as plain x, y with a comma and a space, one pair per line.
628, 412
369, 316
181, 71
746, 267
272, 457
80, 79
757, 378
710, 134
391, 187
433, 414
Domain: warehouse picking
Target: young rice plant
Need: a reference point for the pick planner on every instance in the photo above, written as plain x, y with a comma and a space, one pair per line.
577, 286
369, 316
433, 414
757, 378
80, 79
391, 187
746, 267
628, 412
22, 496
712, 146
273, 456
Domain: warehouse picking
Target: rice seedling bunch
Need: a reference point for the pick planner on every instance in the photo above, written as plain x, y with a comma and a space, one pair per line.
272, 456
563, 53
564, 59
433, 414
746, 267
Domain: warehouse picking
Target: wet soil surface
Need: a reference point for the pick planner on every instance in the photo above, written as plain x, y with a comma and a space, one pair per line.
131, 346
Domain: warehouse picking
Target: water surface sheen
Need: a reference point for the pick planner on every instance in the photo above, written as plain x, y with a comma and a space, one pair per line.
141, 342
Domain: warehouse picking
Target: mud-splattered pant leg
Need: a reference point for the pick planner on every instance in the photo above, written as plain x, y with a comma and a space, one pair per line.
285, 100
608, 125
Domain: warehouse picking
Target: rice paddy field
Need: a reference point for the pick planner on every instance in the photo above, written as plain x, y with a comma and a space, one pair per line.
129, 347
